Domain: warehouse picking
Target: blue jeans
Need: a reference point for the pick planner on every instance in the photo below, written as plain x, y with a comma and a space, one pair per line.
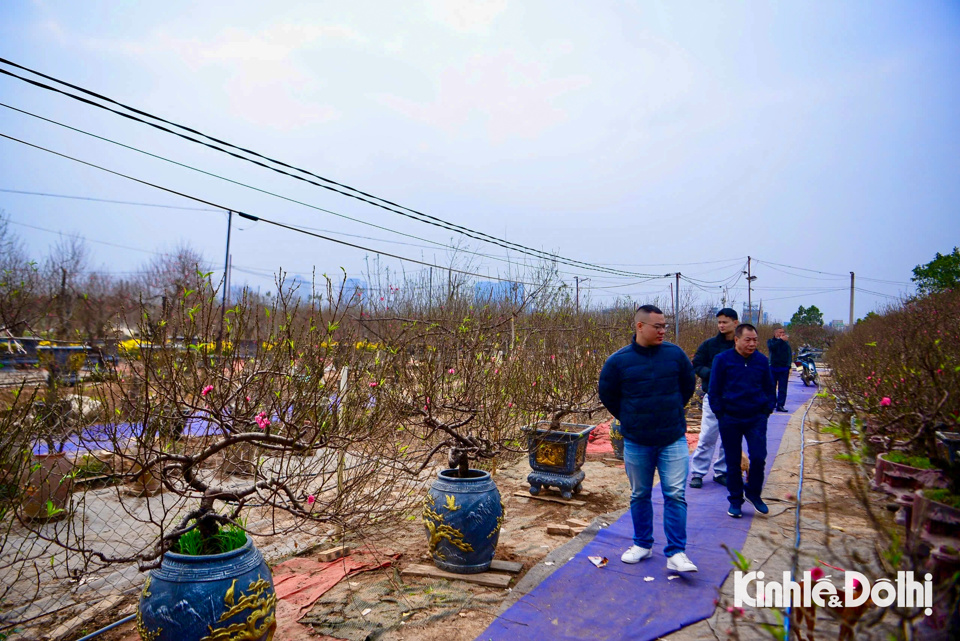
672, 462
780, 377
733, 431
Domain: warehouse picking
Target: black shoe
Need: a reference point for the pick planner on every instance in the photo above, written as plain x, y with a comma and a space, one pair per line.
721, 479
781, 408
696, 481
735, 511
758, 504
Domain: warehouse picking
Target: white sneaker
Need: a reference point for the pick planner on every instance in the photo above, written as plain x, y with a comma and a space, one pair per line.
679, 562
636, 554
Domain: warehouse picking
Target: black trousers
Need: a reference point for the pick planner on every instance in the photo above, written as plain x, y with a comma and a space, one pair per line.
733, 431
780, 379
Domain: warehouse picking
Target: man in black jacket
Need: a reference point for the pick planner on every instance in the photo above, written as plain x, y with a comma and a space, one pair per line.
646, 386
781, 357
741, 390
709, 427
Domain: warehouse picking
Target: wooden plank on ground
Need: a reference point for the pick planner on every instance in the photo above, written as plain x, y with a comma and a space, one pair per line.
552, 499
489, 579
577, 524
561, 530
506, 566
82, 620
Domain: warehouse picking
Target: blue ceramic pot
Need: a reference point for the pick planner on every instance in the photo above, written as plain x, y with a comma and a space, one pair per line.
616, 439
216, 597
463, 518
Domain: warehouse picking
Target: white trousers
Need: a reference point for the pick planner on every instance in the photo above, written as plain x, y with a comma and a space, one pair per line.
709, 438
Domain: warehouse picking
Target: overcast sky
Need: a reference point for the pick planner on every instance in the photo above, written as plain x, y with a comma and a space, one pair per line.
651, 136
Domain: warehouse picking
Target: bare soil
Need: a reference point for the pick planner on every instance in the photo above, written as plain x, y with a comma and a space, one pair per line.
839, 524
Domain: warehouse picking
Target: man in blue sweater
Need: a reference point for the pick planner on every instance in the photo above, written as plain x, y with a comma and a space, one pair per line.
781, 357
646, 386
742, 396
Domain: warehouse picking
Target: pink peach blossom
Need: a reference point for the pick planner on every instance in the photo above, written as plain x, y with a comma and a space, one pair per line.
206, 390
885, 401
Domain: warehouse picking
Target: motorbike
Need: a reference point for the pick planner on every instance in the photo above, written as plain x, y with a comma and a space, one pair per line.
806, 362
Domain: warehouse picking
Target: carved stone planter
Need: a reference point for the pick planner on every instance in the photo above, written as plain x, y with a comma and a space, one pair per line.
556, 456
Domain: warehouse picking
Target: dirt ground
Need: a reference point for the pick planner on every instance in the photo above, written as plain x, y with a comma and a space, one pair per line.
383, 604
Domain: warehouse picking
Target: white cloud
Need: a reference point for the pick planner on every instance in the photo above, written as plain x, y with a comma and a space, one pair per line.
466, 16
512, 98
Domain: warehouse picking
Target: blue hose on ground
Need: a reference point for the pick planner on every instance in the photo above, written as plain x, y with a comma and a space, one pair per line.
796, 525
108, 628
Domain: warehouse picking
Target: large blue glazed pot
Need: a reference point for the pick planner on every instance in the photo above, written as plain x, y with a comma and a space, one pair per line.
616, 439
216, 597
463, 518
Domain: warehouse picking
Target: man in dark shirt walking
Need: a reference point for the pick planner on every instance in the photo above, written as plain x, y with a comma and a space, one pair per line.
709, 428
742, 396
646, 386
781, 357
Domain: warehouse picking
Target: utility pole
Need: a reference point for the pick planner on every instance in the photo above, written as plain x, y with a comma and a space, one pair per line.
852, 277
750, 279
673, 301
577, 280
676, 312
226, 272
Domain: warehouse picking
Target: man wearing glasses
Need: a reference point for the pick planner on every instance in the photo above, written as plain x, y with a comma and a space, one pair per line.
646, 386
743, 397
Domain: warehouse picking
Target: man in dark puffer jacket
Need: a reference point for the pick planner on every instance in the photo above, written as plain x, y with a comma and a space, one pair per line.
646, 386
781, 358
742, 396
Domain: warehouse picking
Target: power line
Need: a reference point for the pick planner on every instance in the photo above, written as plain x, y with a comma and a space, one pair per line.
103, 200
768, 264
338, 188
141, 204
825, 291
259, 218
867, 291
433, 244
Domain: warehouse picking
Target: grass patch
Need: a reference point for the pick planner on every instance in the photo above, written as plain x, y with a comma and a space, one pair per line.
228, 538
921, 462
853, 457
943, 496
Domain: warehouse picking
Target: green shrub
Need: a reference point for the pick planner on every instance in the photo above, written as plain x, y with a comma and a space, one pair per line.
943, 496
921, 462
228, 538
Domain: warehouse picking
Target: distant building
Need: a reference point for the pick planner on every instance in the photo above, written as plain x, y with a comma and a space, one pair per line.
486, 292
838, 324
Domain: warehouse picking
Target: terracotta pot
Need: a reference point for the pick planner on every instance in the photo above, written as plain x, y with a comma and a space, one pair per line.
144, 483
47, 486
897, 478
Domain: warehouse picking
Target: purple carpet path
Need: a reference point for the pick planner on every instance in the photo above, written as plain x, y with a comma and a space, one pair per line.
641, 601
109, 436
